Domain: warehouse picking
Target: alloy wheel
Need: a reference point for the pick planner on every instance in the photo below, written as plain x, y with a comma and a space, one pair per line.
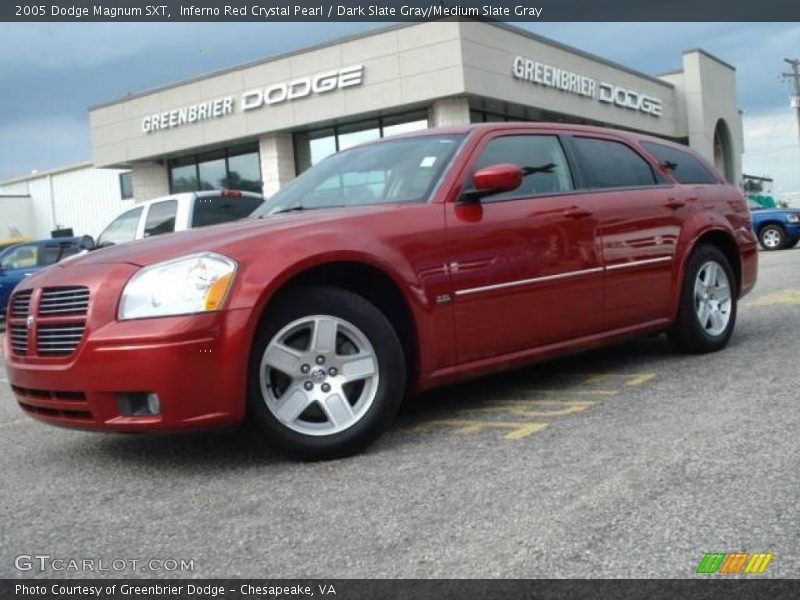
712, 298
319, 375
772, 239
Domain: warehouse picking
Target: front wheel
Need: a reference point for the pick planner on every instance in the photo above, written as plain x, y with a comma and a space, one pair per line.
772, 237
327, 373
707, 310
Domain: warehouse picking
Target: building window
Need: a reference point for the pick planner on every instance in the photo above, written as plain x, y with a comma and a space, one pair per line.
126, 185
236, 168
310, 147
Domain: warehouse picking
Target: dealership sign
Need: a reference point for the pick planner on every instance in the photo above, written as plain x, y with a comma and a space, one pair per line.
574, 83
303, 87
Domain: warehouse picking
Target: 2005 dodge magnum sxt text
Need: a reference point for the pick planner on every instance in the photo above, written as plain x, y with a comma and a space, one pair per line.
384, 270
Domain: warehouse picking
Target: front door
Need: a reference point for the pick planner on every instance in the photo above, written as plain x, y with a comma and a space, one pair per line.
524, 267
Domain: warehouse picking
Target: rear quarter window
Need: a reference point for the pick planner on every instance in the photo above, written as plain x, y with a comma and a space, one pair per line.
212, 210
685, 167
610, 164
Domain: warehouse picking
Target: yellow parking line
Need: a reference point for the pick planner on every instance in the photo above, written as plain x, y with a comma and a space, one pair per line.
533, 408
628, 378
574, 392
788, 296
466, 426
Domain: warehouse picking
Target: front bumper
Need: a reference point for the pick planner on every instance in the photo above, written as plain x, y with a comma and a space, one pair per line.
197, 364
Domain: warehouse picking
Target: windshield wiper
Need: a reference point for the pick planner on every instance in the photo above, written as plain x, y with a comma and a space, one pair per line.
282, 211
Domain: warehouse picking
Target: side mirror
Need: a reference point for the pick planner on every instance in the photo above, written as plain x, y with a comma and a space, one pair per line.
494, 179
87, 243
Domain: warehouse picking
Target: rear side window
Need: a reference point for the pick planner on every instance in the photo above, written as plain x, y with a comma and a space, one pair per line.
609, 164
685, 167
161, 218
211, 210
541, 158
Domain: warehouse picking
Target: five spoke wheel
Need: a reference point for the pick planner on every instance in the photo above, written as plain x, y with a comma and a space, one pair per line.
712, 298
319, 375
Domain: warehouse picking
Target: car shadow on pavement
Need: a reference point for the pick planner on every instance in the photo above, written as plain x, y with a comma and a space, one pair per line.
242, 448
559, 374
245, 448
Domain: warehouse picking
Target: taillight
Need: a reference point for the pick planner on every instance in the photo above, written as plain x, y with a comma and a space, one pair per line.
231, 194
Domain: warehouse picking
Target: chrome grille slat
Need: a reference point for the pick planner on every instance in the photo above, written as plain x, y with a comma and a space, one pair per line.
20, 304
68, 300
58, 339
19, 339
53, 338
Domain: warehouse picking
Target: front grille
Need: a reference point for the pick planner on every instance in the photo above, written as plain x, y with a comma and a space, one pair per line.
19, 339
57, 413
64, 301
49, 395
58, 340
20, 304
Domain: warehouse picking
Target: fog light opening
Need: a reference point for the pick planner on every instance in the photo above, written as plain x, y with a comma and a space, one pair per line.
153, 403
138, 404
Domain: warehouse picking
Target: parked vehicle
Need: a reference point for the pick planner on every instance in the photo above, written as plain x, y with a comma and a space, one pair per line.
776, 228
22, 260
6, 242
179, 212
387, 269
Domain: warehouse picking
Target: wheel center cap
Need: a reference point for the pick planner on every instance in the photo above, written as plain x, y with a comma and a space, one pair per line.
318, 375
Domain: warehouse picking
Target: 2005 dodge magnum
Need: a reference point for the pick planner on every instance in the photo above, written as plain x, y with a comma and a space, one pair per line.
384, 270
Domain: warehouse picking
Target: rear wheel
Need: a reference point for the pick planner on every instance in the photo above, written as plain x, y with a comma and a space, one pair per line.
327, 373
772, 237
707, 311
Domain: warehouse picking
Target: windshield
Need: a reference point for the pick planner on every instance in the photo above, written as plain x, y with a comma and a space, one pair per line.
754, 205
401, 170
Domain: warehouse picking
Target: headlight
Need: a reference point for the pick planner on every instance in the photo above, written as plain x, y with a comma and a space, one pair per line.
793, 218
189, 284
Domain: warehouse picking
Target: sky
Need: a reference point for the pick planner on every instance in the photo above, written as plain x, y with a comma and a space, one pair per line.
50, 73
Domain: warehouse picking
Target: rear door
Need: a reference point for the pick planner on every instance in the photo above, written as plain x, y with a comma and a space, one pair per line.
523, 264
639, 217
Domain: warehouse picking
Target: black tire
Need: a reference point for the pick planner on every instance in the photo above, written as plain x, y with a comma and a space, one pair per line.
342, 304
774, 232
687, 334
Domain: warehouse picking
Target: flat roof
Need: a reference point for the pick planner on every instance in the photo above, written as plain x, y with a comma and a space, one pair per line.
54, 171
342, 40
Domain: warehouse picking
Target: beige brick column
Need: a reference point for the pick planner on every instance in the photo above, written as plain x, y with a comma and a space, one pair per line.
277, 161
449, 111
150, 180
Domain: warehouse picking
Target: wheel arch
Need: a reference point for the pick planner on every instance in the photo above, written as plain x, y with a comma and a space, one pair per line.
769, 222
723, 240
372, 282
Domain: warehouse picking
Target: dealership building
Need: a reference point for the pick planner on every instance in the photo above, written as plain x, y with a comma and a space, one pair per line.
257, 126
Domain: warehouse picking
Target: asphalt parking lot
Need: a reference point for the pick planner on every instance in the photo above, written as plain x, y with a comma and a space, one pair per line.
623, 462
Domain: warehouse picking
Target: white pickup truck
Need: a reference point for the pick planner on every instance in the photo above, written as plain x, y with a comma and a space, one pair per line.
178, 212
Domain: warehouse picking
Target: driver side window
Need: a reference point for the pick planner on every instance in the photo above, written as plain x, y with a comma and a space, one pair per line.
540, 157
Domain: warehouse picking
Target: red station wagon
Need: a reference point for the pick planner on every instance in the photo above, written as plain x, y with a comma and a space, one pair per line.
384, 270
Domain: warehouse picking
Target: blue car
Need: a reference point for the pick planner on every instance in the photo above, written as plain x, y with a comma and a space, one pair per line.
20, 260
776, 228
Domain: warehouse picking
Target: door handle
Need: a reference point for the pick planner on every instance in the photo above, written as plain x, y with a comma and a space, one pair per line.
576, 212
674, 204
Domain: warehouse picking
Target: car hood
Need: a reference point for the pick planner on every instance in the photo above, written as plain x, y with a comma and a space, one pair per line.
775, 211
217, 238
